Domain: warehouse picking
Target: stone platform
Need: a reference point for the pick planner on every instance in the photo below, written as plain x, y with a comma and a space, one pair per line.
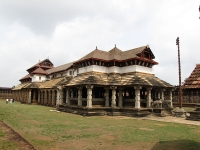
194, 115
101, 111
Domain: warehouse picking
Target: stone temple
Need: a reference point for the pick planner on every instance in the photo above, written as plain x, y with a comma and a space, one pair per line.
113, 82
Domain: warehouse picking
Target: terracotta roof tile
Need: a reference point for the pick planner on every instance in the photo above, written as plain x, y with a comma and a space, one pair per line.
25, 77
115, 53
38, 64
51, 83
39, 71
59, 68
193, 81
117, 79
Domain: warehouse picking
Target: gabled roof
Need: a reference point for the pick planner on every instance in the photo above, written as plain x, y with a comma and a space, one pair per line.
59, 68
193, 81
39, 64
116, 54
25, 77
39, 71
99, 54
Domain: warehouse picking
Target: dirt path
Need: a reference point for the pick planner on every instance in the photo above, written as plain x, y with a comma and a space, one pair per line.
14, 137
172, 119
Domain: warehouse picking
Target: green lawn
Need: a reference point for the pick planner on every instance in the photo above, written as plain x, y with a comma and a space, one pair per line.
46, 129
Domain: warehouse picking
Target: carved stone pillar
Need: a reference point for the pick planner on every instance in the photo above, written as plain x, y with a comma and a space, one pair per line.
159, 95
137, 96
107, 97
39, 94
113, 103
162, 94
79, 95
149, 100
89, 95
42, 97
67, 97
120, 103
59, 100
170, 97
45, 97
53, 98
29, 96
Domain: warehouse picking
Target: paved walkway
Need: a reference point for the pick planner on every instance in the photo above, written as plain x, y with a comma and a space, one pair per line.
172, 119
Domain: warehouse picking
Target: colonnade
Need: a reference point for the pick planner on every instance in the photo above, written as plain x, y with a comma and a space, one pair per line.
109, 96
5, 93
115, 94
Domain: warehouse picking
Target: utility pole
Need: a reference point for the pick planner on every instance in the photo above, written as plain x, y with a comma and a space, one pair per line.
179, 70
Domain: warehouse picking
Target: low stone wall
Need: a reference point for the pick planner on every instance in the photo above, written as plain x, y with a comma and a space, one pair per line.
101, 111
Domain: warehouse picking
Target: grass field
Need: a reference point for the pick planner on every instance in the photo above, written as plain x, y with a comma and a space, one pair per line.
46, 129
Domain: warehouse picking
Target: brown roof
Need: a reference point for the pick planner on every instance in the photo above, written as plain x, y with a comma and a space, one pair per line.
99, 54
25, 77
51, 83
59, 68
39, 64
193, 81
39, 71
134, 78
20, 86
116, 54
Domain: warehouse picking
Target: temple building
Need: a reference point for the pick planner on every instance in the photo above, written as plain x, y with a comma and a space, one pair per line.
190, 89
5, 92
111, 82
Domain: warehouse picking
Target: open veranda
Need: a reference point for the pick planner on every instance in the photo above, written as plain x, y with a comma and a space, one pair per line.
45, 128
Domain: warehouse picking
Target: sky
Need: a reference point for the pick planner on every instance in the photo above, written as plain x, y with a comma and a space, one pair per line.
66, 30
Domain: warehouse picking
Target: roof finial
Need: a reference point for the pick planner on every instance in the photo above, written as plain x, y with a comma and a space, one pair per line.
115, 45
39, 60
96, 47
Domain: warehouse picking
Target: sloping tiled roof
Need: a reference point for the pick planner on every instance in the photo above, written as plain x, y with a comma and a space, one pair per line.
38, 64
114, 53
25, 77
59, 68
99, 54
39, 71
20, 86
33, 85
51, 83
193, 81
118, 79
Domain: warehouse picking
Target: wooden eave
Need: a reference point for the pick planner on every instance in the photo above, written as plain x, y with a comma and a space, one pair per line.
116, 60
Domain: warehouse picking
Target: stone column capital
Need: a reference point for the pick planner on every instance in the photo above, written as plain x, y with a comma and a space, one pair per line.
89, 86
113, 87
137, 87
60, 87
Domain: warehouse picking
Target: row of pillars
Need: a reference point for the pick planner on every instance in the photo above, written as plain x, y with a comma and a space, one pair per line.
159, 94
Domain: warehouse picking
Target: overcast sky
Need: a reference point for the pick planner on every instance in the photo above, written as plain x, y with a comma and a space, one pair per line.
66, 30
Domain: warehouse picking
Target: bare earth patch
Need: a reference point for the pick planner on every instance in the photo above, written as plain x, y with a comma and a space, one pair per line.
15, 138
